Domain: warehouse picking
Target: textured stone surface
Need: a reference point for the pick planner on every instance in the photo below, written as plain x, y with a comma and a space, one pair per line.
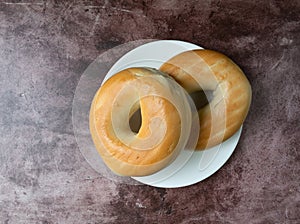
46, 45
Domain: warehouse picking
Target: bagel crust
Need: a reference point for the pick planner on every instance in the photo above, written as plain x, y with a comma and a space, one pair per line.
207, 70
162, 133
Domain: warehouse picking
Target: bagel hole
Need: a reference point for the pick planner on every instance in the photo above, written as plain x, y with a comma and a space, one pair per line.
135, 121
201, 98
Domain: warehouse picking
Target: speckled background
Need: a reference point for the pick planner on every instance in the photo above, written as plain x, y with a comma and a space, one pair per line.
46, 45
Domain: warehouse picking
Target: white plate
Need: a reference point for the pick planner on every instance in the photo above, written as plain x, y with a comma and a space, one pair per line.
202, 164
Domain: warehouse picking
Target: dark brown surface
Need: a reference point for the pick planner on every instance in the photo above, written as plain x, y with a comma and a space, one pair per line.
45, 47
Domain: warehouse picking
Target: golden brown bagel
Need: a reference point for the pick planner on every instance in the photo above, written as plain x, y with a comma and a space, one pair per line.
166, 119
210, 70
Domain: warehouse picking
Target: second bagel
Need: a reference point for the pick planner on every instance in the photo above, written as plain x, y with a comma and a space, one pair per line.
207, 70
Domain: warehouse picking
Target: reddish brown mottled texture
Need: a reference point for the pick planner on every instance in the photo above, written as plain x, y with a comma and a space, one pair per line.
46, 45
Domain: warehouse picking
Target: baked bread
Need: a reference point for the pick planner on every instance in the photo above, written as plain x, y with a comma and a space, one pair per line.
207, 70
165, 128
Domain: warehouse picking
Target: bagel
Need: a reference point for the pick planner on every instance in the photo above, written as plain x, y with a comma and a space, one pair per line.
208, 70
165, 127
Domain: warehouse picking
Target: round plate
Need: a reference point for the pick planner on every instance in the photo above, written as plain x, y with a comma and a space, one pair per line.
142, 53
202, 164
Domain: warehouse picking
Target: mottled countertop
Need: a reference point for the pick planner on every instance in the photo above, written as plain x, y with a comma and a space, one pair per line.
46, 45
